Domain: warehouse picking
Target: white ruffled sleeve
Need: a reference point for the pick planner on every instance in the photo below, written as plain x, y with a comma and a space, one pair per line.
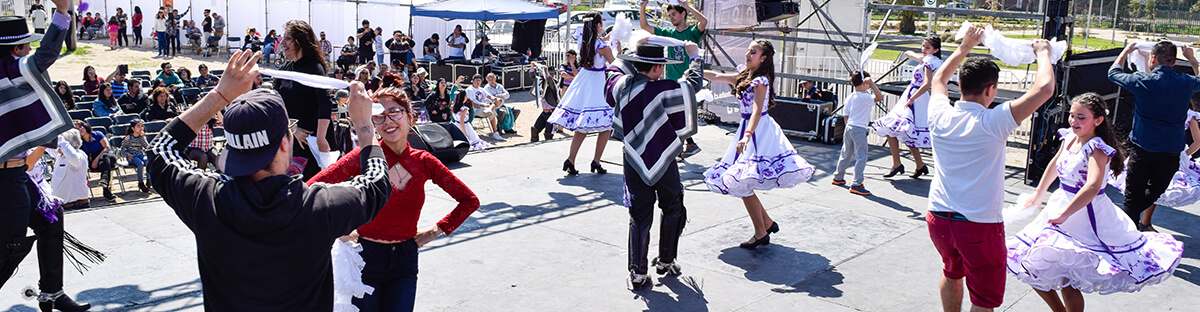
1098, 143
759, 81
1064, 134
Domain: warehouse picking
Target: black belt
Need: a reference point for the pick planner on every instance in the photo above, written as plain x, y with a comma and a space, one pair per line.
949, 215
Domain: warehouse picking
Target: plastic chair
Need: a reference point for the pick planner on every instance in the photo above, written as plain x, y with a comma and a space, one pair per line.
155, 126
119, 129
89, 98
125, 119
80, 114
98, 121
85, 105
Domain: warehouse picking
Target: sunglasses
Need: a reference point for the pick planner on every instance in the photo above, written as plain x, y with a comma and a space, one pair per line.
394, 115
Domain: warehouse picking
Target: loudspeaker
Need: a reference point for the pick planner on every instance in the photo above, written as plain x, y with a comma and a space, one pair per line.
440, 70
771, 11
443, 140
527, 35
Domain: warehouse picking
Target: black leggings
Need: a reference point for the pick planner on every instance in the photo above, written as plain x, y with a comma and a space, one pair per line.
202, 157
137, 35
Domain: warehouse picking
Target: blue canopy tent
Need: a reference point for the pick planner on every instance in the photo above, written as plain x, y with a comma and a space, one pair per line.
485, 10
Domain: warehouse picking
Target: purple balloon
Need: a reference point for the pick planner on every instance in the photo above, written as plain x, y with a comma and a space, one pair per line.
83, 6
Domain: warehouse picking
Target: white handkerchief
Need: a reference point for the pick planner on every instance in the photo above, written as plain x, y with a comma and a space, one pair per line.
319, 82
323, 159
1137, 59
866, 55
1013, 51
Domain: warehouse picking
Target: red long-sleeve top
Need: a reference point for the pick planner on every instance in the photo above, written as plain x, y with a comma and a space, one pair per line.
397, 221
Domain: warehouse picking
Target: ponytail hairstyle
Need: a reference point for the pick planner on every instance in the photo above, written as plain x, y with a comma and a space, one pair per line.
935, 42
1094, 103
766, 68
587, 48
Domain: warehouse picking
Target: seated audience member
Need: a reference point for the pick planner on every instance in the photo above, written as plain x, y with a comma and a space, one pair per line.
201, 149
95, 144
168, 75
349, 55
117, 80
484, 104
205, 78
134, 101
161, 107
106, 105
70, 179
505, 113
63, 90
91, 82
484, 50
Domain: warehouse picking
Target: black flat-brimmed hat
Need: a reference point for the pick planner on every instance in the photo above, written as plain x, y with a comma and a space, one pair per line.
14, 31
649, 53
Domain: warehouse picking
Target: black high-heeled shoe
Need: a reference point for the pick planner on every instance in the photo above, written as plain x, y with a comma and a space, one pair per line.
596, 168
774, 227
766, 239
895, 171
919, 172
569, 167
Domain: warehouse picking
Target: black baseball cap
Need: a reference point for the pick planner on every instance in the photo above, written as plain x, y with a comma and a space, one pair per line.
255, 124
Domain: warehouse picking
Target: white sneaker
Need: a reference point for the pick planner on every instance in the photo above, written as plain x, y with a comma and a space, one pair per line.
496, 135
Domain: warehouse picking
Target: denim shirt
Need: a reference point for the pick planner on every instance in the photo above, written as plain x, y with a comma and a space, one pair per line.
1161, 101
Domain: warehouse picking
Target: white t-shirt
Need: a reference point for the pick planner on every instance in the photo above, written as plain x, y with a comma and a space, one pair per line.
457, 52
968, 147
478, 96
858, 109
498, 90
39, 19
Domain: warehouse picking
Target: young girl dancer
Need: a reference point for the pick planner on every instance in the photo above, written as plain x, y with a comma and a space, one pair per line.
909, 121
462, 115
583, 109
1185, 185
1082, 242
761, 158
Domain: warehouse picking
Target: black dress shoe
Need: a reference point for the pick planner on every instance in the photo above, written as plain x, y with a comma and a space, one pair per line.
757, 242
596, 168
569, 167
919, 172
774, 227
895, 171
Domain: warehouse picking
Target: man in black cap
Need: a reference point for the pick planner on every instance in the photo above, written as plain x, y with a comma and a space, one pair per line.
19, 209
652, 137
366, 40
263, 237
483, 50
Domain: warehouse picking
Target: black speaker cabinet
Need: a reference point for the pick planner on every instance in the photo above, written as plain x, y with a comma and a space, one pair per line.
772, 11
803, 117
441, 71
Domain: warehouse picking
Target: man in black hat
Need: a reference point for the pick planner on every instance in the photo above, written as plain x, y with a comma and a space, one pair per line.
263, 237
19, 209
483, 50
652, 137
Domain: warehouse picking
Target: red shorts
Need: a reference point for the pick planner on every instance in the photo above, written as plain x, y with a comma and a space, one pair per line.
975, 251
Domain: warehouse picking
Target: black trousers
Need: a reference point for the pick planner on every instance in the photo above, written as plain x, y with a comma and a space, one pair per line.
122, 38
104, 166
137, 35
1149, 175
365, 55
668, 192
17, 212
541, 123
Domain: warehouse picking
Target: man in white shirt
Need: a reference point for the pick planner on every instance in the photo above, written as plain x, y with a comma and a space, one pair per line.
484, 103
502, 111
967, 194
38, 17
458, 44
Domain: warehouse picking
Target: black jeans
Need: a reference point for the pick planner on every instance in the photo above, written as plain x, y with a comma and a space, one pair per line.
137, 35
18, 211
365, 55
392, 270
669, 193
1149, 175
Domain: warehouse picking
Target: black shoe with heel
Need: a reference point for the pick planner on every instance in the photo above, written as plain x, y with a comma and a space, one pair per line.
766, 239
569, 168
60, 301
774, 227
919, 172
895, 171
596, 168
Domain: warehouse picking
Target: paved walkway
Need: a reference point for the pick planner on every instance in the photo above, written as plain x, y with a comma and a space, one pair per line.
546, 242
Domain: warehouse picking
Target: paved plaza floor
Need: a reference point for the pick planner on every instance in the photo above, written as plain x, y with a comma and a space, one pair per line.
543, 241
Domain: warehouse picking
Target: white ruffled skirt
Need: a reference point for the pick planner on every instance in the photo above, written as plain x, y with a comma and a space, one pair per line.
909, 124
583, 107
1185, 185
1120, 259
768, 162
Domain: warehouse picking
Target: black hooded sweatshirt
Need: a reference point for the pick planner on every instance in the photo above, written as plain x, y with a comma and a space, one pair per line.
264, 246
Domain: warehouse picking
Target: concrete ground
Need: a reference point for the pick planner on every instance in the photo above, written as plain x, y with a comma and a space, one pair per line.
543, 241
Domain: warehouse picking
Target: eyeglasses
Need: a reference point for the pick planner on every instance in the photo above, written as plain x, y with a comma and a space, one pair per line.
394, 115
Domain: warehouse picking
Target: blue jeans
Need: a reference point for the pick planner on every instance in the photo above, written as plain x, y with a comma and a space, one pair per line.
175, 43
270, 48
379, 58
139, 161
392, 270
162, 43
430, 58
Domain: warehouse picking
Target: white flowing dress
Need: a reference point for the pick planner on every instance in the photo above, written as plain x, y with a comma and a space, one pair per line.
910, 124
1185, 185
1098, 248
768, 162
583, 107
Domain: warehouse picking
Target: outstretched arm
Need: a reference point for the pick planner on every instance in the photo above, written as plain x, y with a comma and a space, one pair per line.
52, 42
701, 21
642, 18
942, 76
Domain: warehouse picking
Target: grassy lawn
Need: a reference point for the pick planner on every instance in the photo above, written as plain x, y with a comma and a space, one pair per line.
82, 49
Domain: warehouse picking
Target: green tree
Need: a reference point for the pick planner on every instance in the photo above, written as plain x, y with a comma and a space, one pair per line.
908, 24
1195, 7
